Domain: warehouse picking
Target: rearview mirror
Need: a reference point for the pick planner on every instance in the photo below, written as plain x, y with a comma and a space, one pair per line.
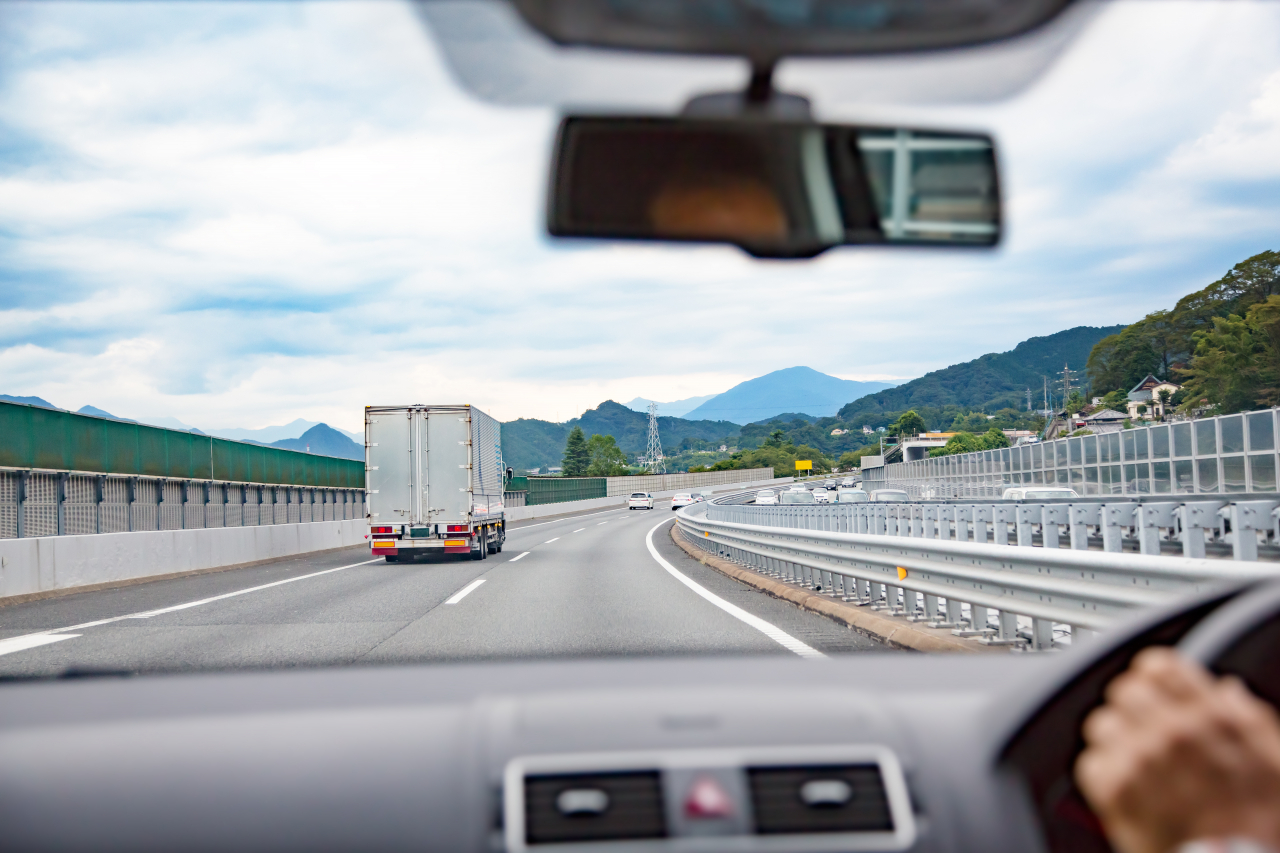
781, 189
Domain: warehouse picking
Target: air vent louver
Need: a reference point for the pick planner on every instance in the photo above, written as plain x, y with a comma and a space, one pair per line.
593, 807
843, 798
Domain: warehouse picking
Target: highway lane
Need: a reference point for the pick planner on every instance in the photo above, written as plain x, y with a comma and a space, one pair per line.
578, 586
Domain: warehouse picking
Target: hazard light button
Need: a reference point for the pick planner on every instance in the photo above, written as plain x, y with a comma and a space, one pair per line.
707, 801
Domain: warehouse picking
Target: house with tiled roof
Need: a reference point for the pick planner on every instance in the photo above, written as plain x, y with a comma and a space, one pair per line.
1147, 393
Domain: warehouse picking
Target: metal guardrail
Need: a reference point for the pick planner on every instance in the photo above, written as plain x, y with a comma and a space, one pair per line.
1228, 454
958, 565
57, 503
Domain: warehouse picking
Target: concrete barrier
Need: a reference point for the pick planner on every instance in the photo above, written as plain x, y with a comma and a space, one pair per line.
46, 565
524, 513
43, 566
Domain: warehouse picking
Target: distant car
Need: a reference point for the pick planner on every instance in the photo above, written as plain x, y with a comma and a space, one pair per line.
889, 496
1038, 493
766, 497
682, 499
700, 497
797, 487
828, 484
801, 497
821, 496
640, 500
852, 496
847, 482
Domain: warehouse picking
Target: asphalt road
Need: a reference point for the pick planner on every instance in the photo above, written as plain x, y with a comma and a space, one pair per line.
589, 585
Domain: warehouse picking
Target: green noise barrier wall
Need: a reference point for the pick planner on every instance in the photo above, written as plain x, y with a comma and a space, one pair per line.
34, 437
554, 490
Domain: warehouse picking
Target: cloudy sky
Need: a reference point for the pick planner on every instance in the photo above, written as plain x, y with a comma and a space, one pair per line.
242, 214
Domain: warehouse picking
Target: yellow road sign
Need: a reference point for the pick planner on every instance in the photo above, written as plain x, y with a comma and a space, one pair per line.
804, 464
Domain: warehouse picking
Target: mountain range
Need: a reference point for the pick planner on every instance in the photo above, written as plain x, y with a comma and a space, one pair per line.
994, 381
530, 443
793, 389
674, 409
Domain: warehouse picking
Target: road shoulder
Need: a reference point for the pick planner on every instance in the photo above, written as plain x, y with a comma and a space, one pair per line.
892, 631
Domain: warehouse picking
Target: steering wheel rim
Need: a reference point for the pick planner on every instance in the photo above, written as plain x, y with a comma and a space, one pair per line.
1242, 638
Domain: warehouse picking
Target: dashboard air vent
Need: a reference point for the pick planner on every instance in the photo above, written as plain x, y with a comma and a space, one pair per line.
593, 807
816, 798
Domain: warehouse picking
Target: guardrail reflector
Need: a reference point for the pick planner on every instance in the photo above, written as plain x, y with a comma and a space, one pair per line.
902, 573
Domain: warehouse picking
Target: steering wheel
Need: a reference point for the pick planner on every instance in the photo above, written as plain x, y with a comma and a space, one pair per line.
1242, 638
1230, 629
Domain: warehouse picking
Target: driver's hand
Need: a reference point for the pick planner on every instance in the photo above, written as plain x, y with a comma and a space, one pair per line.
1176, 755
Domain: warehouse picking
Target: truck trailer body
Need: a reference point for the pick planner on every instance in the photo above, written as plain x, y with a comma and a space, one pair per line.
434, 479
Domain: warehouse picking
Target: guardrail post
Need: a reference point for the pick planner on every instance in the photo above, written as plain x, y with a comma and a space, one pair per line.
964, 517
982, 515
978, 626
931, 522
1083, 515
1007, 633
1004, 516
930, 609
1151, 519
1053, 517
1028, 518
1247, 518
1115, 517
1195, 517
1041, 634
953, 617
879, 520
99, 498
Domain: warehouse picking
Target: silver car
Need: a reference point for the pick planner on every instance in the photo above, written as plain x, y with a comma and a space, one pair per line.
889, 496
802, 497
852, 496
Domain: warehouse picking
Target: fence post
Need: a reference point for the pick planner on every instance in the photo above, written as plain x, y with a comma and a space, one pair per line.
1115, 517
1151, 518
1028, 517
1247, 518
1003, 518
1083, 515
61, 497
22, 503
99, 497
1053, 518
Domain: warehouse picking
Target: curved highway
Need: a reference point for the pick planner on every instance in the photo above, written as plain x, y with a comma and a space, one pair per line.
588, 585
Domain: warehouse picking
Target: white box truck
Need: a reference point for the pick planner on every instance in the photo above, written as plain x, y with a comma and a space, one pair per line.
434, 478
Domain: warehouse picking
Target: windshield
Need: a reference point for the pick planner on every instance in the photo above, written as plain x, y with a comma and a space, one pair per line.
295, 373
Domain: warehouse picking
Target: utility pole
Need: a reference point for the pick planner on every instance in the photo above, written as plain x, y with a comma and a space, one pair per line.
1028, 398
653, 454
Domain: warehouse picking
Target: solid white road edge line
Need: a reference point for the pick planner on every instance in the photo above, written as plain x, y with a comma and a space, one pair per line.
147, 614
549, 541
462, 593
513, 559
773, 633
31, 641
580, 529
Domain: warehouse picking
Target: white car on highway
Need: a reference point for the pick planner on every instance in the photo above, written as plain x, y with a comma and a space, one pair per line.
821, 496
640, 500
889, 496
766, 497
1038, 493
682, 499
847, 483
852, 496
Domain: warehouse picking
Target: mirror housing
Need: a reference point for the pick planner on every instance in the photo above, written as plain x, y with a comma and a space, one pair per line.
765, 32
777, 188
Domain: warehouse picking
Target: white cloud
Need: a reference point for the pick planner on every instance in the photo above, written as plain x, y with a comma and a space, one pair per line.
241, 214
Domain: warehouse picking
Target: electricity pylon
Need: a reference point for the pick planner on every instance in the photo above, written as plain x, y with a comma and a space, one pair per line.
653, 454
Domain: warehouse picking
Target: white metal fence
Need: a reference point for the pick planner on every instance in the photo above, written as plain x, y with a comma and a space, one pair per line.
1229, 454
956, 565
56, 503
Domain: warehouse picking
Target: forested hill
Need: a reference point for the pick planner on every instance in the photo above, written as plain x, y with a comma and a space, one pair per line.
529, 443
994, 381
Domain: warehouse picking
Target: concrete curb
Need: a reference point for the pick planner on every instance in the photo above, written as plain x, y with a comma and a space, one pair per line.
890, 630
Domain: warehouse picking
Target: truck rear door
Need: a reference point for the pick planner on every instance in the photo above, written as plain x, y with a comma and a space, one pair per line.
447, 488
388, 460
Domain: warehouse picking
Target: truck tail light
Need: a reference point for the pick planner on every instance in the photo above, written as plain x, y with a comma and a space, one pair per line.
458, 528
382, 530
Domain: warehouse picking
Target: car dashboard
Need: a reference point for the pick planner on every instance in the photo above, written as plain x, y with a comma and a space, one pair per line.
878, 752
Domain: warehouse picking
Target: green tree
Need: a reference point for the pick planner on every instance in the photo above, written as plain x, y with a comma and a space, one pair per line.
970, 422
908, 423
577, 458
606, 458
1075, 402
1236, 366
1115, 400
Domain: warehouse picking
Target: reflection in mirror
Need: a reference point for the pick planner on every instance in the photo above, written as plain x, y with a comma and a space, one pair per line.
777, 189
